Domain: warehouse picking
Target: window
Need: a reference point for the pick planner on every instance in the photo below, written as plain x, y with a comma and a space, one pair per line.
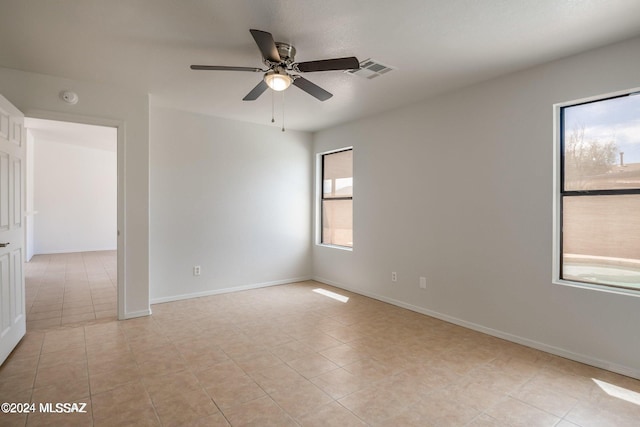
337, 198
599, 192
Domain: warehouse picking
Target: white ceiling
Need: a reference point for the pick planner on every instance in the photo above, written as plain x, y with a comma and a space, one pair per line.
436, 45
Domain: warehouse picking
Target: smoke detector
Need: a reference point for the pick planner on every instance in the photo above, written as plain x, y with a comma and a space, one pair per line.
69, 97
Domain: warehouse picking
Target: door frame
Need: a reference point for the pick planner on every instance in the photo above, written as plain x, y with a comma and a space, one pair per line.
121, 219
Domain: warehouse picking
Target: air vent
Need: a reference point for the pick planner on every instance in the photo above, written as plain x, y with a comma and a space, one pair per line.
370, 69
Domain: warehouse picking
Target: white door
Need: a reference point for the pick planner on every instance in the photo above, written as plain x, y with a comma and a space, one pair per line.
12, 162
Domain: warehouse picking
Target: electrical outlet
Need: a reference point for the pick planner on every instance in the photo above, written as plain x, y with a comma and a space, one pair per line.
394, 276
423, 283
196, 270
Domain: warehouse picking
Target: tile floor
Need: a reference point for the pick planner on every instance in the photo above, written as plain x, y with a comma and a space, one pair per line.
288, 356
68, 289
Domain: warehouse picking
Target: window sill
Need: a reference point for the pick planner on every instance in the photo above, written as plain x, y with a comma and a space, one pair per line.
342, 248
599, 288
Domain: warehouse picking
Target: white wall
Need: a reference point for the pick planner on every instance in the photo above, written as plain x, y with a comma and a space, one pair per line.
459, 189
76, 197
231, 197
37, 95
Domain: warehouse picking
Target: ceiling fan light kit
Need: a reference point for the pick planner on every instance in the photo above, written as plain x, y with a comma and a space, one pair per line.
279, 58
278, 80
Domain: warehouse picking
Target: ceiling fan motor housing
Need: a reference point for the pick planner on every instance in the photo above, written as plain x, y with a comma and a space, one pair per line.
287, 52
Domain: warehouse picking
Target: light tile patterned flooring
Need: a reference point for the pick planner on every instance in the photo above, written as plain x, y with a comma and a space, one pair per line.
68, 289
287, 356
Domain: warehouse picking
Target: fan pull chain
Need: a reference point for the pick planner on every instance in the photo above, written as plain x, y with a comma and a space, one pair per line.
273, 103
283, 111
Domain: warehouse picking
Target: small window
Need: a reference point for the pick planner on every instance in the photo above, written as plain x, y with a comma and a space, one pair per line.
599, 197
337, 198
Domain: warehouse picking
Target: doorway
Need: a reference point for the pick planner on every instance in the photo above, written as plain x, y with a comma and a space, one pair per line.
71, 238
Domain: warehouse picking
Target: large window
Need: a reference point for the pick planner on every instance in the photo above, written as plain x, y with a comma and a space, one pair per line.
337, 198
599, 192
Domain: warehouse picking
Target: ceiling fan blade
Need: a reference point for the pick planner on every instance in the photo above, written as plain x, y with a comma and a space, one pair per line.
256, 91
266, 45
312, 88
350, 63
225, 68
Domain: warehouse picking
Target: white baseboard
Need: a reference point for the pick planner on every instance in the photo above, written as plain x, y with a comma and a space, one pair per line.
592, 361
239, 288
73, 251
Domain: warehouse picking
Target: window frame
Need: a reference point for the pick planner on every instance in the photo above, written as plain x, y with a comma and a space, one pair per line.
320, 198
559, 193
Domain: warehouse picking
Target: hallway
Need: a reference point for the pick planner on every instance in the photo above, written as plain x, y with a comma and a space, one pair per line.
70, 289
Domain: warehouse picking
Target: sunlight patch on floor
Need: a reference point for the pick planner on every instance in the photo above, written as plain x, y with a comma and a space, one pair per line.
330, 294
619, 392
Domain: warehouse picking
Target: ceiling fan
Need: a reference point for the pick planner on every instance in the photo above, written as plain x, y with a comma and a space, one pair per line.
279, 58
